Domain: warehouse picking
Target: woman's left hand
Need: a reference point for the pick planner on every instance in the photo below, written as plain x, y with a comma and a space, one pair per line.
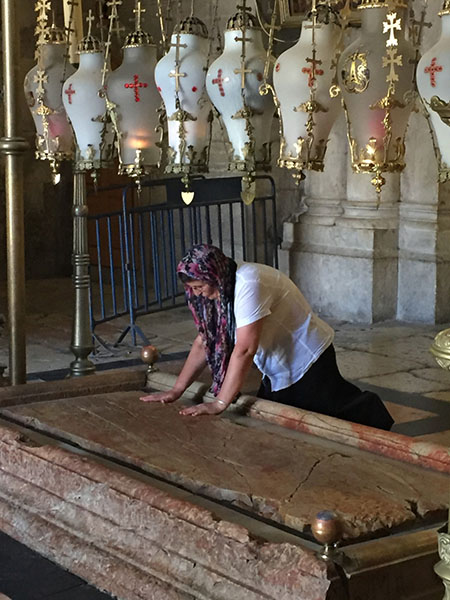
207, 408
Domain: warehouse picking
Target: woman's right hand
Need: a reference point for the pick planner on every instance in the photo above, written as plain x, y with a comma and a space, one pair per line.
163, 397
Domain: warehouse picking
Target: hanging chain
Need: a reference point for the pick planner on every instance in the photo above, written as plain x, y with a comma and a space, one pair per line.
68, 30
101, 19
416, 34
113, 22
243, 39
311, 108
265, 87
179, 10
159, 14
214, 34
263, 25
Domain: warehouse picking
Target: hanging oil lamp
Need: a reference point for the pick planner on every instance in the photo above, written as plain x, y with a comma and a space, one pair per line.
302, 79
434, 88
376, 74
43, 92
133, 103
180, 78
233, 81
84, 101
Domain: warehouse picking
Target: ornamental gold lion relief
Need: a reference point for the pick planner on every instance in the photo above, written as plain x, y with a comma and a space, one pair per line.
355, 74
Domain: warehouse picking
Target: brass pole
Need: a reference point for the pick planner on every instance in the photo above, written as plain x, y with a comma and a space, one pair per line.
82, 344
13, 147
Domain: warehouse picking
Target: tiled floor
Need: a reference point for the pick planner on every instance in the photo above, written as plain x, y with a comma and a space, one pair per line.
25, 575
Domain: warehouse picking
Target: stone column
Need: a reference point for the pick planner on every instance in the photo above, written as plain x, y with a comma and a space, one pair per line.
424, 242
342, 252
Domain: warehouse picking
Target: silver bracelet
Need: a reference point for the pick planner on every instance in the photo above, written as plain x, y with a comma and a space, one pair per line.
222, 402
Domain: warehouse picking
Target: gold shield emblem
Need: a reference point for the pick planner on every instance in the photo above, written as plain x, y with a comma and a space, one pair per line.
355, 74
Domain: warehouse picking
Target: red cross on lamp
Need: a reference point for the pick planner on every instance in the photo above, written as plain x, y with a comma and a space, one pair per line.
219, 82
432, 69
312, 71
135, 86
70, 92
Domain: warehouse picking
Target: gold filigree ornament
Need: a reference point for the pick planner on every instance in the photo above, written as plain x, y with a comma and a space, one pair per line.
441, 107
445, 9
391, 4
444, 547
356, 74
442, 568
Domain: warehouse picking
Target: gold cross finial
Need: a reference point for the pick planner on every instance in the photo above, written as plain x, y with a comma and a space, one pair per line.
139, 11
90, 19
243, 7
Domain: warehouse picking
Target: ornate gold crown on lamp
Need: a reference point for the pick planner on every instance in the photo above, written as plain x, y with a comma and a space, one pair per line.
391, 4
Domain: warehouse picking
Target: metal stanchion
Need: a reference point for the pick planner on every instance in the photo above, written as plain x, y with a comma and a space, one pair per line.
14, 147
82, 343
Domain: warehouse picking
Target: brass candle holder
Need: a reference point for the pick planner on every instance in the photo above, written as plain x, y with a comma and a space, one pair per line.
327, 529
149, 355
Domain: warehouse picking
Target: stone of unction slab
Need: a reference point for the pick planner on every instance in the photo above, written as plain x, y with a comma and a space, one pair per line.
136, 541
277, 477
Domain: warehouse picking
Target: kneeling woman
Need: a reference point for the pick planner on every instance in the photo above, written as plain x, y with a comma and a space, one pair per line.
253, 312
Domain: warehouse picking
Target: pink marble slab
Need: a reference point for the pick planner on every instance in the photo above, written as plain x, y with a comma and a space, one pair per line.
138, 542
385, 443
275, 476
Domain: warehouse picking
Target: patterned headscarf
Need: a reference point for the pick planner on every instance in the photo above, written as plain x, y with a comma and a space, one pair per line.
214, 319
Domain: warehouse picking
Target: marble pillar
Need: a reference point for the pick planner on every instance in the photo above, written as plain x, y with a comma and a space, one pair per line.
342, 252
424, 232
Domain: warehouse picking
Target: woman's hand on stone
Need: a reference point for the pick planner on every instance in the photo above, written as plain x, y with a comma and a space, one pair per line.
163, 397
207, 408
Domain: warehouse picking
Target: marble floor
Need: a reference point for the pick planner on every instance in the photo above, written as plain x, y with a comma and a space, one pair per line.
392, 358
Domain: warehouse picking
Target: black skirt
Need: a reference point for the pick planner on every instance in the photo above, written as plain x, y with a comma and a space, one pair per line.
322, 389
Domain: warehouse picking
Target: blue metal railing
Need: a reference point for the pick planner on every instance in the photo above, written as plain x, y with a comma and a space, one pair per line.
137, 249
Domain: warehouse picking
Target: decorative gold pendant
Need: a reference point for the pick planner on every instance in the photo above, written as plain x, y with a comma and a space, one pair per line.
356, 76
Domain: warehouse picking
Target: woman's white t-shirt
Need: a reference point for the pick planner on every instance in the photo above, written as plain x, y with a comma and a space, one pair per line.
292, 337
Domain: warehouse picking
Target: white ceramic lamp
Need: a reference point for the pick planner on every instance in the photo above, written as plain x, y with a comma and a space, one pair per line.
375, 77
302, 79
180, 78
433, 82
43, 92
133, 103
233, 81
84, 101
